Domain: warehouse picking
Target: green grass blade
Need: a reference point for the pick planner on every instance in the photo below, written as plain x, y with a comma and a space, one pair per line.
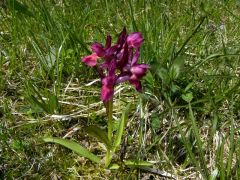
36, 102
190, 36
132, 17
238, 160
230, 156
199, 143
187, 145
137, 163
214, 127
77, 148
221, 160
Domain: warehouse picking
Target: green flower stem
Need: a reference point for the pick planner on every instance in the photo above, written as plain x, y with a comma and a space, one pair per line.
109, 109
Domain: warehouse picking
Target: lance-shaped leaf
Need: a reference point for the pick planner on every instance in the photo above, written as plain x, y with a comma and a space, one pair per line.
77, 148
177, 67
100, 134
121, 127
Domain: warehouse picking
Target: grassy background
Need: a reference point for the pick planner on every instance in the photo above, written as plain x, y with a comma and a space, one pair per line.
186, 121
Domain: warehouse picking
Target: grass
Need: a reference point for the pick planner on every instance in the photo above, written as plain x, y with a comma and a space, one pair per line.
186, 121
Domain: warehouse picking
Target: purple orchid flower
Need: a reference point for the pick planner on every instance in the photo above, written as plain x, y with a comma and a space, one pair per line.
135, 40
122, 56
133, 72
108, 83
98, 52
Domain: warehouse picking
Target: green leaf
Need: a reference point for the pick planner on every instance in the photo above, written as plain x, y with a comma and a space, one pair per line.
177, 67
51, 58
77, 148
121, 128
137, 163
35, 91
100, 134
155, 121
149, 78
52, 103
113, 166
36, 102
190, 85
187, 97
163, 74
174, 88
